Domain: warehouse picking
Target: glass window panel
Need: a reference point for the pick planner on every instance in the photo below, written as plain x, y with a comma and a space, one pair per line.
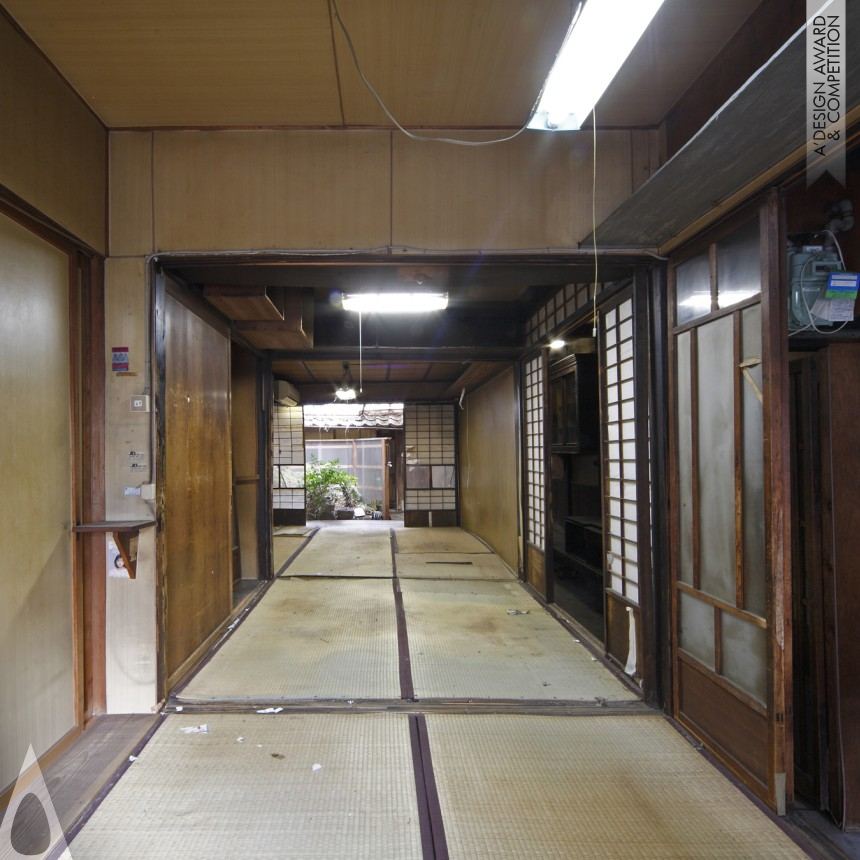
289, 476
693, 289
615, 526
633, 592
614, 469
417, 476
611, 375
753, 473
618, 584
630, 531
614, 508
443, 476
745, 655
630, 461
697, 629
717, 459
612, 432
739, 266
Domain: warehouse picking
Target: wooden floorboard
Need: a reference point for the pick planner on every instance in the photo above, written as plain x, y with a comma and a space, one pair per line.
77, 776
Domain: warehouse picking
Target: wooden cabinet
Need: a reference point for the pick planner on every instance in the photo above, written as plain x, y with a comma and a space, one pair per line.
574, 403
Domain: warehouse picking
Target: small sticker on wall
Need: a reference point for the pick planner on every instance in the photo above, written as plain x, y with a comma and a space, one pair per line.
119, 359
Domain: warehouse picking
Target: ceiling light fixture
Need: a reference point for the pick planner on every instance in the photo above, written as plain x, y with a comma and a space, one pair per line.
395, 303
598, 41
558, 343
346, 390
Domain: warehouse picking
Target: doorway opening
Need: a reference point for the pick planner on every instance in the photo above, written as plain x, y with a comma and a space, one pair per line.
577, 533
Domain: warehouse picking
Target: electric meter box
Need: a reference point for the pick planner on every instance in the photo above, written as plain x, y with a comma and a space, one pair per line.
808, 271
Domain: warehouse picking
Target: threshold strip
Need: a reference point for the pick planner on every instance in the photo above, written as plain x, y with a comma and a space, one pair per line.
407, 688
434, 845
522, 707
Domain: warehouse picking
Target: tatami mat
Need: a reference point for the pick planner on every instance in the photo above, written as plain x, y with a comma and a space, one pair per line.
283, 546
589, 787
285, 786
438, 540
307, 639
452, 565
359, 552
491, 640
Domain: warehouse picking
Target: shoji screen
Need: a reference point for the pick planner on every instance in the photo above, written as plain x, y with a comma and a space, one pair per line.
620, 488
430, 430
288, 458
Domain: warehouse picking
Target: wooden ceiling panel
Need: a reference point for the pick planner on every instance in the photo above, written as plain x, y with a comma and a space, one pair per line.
448, 63
684, 37
191, 62
462, 64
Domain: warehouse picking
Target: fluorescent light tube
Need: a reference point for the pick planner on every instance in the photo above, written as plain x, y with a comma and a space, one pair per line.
598, 42
395, 303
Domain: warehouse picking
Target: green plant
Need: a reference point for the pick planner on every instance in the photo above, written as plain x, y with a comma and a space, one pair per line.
328, 486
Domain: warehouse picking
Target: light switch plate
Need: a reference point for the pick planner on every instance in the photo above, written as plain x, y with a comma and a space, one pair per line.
140, 403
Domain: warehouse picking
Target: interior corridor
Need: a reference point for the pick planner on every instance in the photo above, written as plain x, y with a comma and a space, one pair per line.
397, 693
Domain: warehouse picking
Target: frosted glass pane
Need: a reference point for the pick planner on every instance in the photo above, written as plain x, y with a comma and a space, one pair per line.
753, 472
697, 629
751, 332
717, 459
745, 655
614, 508
618, 584
612, 432
633, 592
614, 469
693, 289
629, 463
739, 266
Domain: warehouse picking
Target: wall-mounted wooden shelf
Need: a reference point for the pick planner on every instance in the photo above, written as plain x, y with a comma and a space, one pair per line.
125, 534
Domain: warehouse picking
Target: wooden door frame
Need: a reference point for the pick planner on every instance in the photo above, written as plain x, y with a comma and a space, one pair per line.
85, 297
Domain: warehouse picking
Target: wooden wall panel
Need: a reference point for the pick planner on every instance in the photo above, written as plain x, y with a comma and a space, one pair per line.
725, 719
489, 473
53, 150
37, 702
536, 568
271, 189
197, 580
532, 192
126, 431
131, 214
